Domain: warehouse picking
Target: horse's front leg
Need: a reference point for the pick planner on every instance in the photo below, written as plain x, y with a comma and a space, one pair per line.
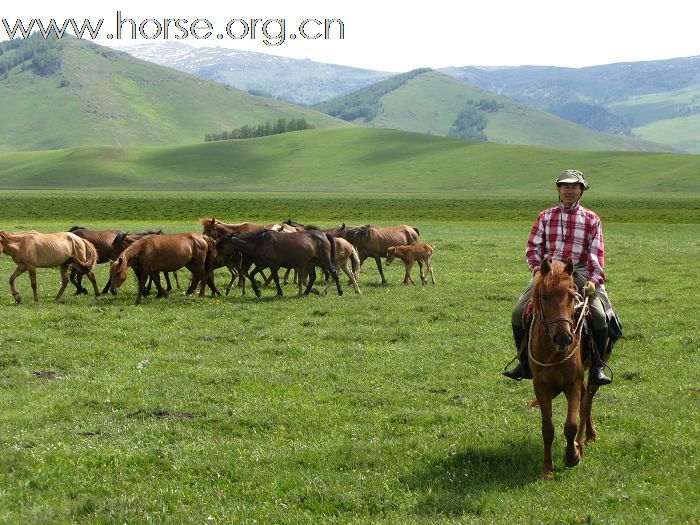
64, 282
155, 278
407, 278
15, 294
544, 399
378, 260
142, 277
572, 454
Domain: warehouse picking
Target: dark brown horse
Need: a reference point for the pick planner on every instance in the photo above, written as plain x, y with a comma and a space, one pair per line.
165, 253
269, 249
372, 241
31, 250
102, 241
239, 265
556, 360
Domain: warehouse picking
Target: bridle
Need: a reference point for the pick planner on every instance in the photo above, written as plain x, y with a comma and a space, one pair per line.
577, 326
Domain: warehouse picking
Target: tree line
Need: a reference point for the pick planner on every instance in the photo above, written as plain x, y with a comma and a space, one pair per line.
366, 103
261, 130
42, 56
471, 121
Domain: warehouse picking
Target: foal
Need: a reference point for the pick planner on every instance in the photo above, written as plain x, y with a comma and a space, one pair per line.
420, 253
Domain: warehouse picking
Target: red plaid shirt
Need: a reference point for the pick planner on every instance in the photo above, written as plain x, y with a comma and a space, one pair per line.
559, 233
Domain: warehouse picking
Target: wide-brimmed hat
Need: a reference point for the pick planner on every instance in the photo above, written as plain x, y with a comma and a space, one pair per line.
572, 177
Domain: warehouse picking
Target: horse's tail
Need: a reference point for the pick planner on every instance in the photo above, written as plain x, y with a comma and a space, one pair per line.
210, 259
417, 232
81, 247
334, 261
355, 262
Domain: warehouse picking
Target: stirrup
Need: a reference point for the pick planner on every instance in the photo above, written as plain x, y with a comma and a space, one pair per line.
598, 377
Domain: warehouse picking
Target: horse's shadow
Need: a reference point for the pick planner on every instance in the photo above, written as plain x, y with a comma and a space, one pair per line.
459, 483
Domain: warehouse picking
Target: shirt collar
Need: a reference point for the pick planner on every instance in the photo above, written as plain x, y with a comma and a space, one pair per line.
573, 209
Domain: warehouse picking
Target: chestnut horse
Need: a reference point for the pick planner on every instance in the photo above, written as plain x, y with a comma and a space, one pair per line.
557, 362
269, 249
372, 241
31, 250
164, 253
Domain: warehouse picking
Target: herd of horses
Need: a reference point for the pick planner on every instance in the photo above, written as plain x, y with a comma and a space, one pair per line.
247, 250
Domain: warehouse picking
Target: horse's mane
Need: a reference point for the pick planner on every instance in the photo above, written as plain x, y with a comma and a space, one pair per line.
557, 280
256, 236
290, 222
357, 234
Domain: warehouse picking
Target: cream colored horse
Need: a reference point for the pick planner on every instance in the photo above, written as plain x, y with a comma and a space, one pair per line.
31, 250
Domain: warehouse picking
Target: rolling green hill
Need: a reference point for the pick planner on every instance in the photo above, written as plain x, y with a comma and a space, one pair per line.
346, 160
657, 100
434, 103
671, 117
86, 94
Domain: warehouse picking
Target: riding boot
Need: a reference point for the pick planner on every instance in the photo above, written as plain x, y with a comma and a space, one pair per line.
600, 339
522, 370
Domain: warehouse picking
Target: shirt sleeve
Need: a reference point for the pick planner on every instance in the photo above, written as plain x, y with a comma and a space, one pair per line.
596, 253
535, 244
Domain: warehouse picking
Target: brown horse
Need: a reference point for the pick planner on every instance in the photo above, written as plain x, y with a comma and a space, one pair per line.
269, 249
32, 250
372, 241
556, 360
165, 253
123, 240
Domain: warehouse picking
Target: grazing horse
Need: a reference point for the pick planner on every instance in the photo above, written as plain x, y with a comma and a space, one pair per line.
420, 253
556, 360
269, 249
372, 241
123, 240
165, 253
32, 250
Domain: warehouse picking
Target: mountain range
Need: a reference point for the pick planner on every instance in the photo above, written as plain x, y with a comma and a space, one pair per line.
658, 101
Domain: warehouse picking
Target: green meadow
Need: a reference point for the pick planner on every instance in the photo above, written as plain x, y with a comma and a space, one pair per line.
387, 407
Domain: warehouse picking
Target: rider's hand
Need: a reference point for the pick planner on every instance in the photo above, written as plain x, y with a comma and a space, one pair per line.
589, 288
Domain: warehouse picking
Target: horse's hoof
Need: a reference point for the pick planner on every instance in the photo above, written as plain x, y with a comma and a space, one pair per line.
547, 474
17, 299
571, 461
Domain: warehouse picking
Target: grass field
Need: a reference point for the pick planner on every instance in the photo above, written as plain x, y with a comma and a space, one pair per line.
383, 408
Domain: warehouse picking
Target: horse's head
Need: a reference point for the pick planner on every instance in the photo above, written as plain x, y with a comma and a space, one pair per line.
117, 273
210, 229
554, 301
390, 255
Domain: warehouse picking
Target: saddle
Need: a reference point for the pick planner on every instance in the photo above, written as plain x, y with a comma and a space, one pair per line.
614, 327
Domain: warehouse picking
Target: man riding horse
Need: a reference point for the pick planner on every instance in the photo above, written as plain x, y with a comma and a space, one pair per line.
565, 231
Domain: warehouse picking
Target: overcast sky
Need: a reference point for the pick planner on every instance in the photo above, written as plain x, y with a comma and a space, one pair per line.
398, 36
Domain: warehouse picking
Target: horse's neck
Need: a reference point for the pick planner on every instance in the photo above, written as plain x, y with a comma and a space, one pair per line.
10, 245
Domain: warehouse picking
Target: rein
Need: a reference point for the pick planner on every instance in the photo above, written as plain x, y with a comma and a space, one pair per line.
575, 344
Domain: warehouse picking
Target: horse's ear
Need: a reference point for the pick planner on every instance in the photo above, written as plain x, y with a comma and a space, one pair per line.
569, 268
391, 249
545, 268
